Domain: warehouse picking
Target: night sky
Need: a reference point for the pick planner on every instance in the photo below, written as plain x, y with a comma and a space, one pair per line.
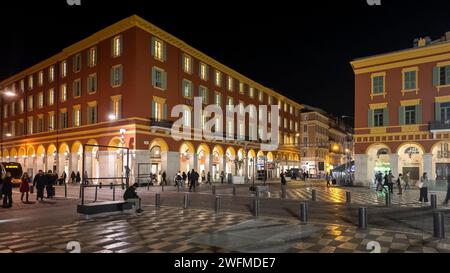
300, 51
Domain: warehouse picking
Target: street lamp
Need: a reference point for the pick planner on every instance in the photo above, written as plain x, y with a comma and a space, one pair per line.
113, 117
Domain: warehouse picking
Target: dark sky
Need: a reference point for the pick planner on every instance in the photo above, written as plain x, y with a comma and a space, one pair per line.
302, 51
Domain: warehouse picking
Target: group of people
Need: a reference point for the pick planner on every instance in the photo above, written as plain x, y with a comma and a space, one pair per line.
386, 183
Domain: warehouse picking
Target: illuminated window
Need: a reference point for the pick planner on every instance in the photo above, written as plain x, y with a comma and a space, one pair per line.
63, 119
21, 106
22, 85
92, 56
203, 71
51, 121
187, 88
218, 78
63, 92
187, 64
40, 124
5, 111
30, 82
218, 98
77, 63
116, 75
51, 73
117, 46
116, 107
76, 88
63, 69
13, 128
230, 83
241, 88
230, 101
159, 111
76, 116
40, 100
291, 110
251, 92
30, 103
13, 108
30, 126
51, 96
92, 83
203, 92
285, 107
159, 78
158, 49
269, 100
92, 113
41, 78
187, 117
260, 96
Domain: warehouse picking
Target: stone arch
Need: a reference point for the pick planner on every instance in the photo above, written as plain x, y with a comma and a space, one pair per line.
51, 149
63, 149
91, 141
76, 147
161, 143
31, 151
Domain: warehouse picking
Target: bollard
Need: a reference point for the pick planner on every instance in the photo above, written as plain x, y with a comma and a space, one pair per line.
283, 191
123, 186
158, 200
114, 193
185, 201
362, 223
314, 195
65, 190
217, 204
303, 212
433, 201
256, 207
148, 185
348, 197
162, 186
257, 193
234, 189
388, 199
213, 189
95, 196
111, 186
100, 185
438, 224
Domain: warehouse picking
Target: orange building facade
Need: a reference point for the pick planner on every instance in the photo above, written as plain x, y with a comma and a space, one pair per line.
117, 88
402, 112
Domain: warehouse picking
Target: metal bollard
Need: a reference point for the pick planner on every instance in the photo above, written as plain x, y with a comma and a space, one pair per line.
218, 203
256, 207
100, 185
362, 221
234, 189
314, 195
185, 201
438, 224
158, 200
348, 197
303, 212
433, 201
65, 190
114, 193
95, 196
388, 199
213, 189
111, 186
283, 191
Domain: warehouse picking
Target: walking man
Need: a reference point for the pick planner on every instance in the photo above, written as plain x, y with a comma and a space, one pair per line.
222, 177
164, 178
39, 183
328, 180
194, 179
7, 191
208, 178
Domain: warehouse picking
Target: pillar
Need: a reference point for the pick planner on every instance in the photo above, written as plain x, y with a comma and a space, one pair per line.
362, 171
224, 164
74, 163
428, 165
195, 163
393, 160
170, 162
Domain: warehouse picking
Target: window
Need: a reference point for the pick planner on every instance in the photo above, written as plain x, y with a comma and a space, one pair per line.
63, 69
117, 46
410, 80
305, 128
30, 103
63, 92
203, 72
187, 118
159, 78
218, 98
218, 78
285, 123
241, 88
22, 86
203, 92
260, 96
378, 116
92, 113
5, 111
441, 75
269, 100
51, 73
444, 111
291, 125
230, 83
77, 63
76, 88
116, 76
21, 106
230, 101
187, 64
378, 85
30, 82
13, 128
30, 126
410, 114
285, 107
251, 92
158, 49
159, 110
92, 83
63, 119
296, 126
92, 56
76, 116
41, 78
13, 108
116, 106
187, 88
51, 121
40, 100
291, 110
51, 96
40, 124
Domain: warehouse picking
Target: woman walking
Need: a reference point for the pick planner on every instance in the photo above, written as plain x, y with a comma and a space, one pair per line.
25, 187
423, 185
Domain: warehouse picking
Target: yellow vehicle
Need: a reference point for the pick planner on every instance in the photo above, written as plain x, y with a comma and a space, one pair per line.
15, 169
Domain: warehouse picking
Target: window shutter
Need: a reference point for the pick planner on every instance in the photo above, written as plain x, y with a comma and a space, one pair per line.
153, 110
153, 76
153, 46
401, 115
164, 80
121, 75
436, 75
165, 111
437, 110
112, 76
386, 117
165, 51
370, 118
418, 114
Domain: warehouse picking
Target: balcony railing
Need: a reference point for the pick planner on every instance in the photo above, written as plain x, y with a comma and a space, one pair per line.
161, 123
439, 125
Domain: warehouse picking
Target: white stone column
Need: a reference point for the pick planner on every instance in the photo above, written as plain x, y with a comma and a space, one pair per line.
87, 165
393, 160
209, 161
223, 166
75, 158
170, 162
361, 170
428, 165
195, 163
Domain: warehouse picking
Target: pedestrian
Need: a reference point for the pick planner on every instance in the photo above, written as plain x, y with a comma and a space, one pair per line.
78, 177
208, 178
399, 183
164, 181
328, 180
423, 186
85, 178
222, 177
448, 190
73, 177
7, 191
39, 182
131, 196
194, 179
63, 178
184, 176
203, 176
49, 182
178, 179
283, 179
406, 179
391, 182
25, 186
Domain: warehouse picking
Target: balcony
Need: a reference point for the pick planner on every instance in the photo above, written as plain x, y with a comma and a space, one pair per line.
165, 125
439, 125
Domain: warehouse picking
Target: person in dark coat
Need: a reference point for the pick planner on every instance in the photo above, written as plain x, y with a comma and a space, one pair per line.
163, 176
184, 175
189, 177
194, 179
222, 177
328, 178
49, 182
448, 190
7, 191
39, 182
131, 196
283, 179
73, 177
208, 178
25, 186
78, 177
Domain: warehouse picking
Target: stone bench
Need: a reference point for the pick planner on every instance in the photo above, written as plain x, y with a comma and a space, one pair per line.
103, 207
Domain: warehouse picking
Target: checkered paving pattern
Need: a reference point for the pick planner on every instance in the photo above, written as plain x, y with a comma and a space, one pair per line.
170, 230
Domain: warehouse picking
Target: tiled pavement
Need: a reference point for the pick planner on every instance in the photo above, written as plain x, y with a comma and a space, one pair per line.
170, 230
